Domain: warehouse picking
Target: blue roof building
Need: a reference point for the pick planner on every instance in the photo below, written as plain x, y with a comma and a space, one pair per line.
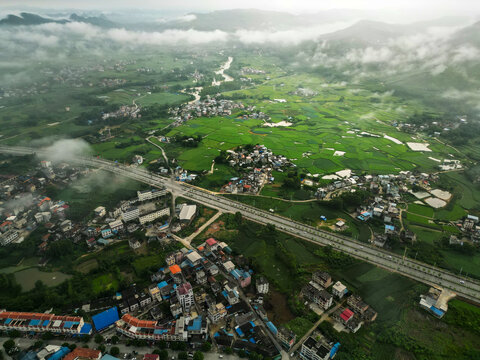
86, 329
108, 357
60, 354
105, 318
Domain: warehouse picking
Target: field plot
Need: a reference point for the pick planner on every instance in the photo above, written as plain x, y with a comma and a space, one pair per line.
331, 131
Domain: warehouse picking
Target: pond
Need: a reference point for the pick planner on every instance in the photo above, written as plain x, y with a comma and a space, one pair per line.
27, 278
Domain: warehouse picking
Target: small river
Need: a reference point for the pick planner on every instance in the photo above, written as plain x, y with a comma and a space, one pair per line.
196, 91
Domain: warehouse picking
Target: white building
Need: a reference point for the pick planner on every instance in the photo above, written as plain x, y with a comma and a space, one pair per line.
187, 212
185, 296
262, 285
43, 217
100, 211
194, 258
154, 215
134, 243
217, 312
8, 237
150, 194
131, 214
229, 266
339, 289
116, 225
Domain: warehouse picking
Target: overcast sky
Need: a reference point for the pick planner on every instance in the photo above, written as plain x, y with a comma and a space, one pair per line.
411, 8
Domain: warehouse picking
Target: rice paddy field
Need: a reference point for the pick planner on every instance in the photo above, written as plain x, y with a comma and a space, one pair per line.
339, 118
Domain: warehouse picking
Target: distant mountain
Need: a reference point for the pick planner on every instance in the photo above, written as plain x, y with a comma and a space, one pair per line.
370, 32
34, 19
100, 21
367, 32
250, 19
469, 35
28, 19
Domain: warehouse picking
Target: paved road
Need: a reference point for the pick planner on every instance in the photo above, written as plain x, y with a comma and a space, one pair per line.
465, 287
201, 228
158, 146
323, 317
25, 343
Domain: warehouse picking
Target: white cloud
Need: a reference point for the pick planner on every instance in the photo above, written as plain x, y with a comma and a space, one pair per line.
67, 149
187, 18
288, 37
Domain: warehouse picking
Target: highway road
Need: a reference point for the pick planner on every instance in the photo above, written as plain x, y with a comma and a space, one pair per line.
464, 287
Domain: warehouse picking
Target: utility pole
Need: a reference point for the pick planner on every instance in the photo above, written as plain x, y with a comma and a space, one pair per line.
405, 253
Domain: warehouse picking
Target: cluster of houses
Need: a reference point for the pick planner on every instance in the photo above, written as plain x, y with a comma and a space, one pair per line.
201, 286
208, 107
251, 71
389, 186
433, 128
125, 111
57, 352
318, 292
23, 208
259, 163
43, 322
149, 207
109, 82
469, 228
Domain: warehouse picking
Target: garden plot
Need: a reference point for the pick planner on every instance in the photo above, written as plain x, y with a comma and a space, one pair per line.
441, 194
396, 141
420, 194
436, 203
418, 146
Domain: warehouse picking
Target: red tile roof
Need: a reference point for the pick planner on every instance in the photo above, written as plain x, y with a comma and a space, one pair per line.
346, 314
151, 357
129, 319
175, 269
83, 353
211, 241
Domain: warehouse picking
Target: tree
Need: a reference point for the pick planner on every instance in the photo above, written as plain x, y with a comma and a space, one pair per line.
85, 338
101, 347
38, 344
9, 345
228, 351
206, 346
198, 355
14, 334
114, 351
114, 339
162, 344
242, 353
163, 355
98, 338
238, 218
182, 355
47, 336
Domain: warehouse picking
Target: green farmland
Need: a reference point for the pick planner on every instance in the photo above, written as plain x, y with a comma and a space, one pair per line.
334, 120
